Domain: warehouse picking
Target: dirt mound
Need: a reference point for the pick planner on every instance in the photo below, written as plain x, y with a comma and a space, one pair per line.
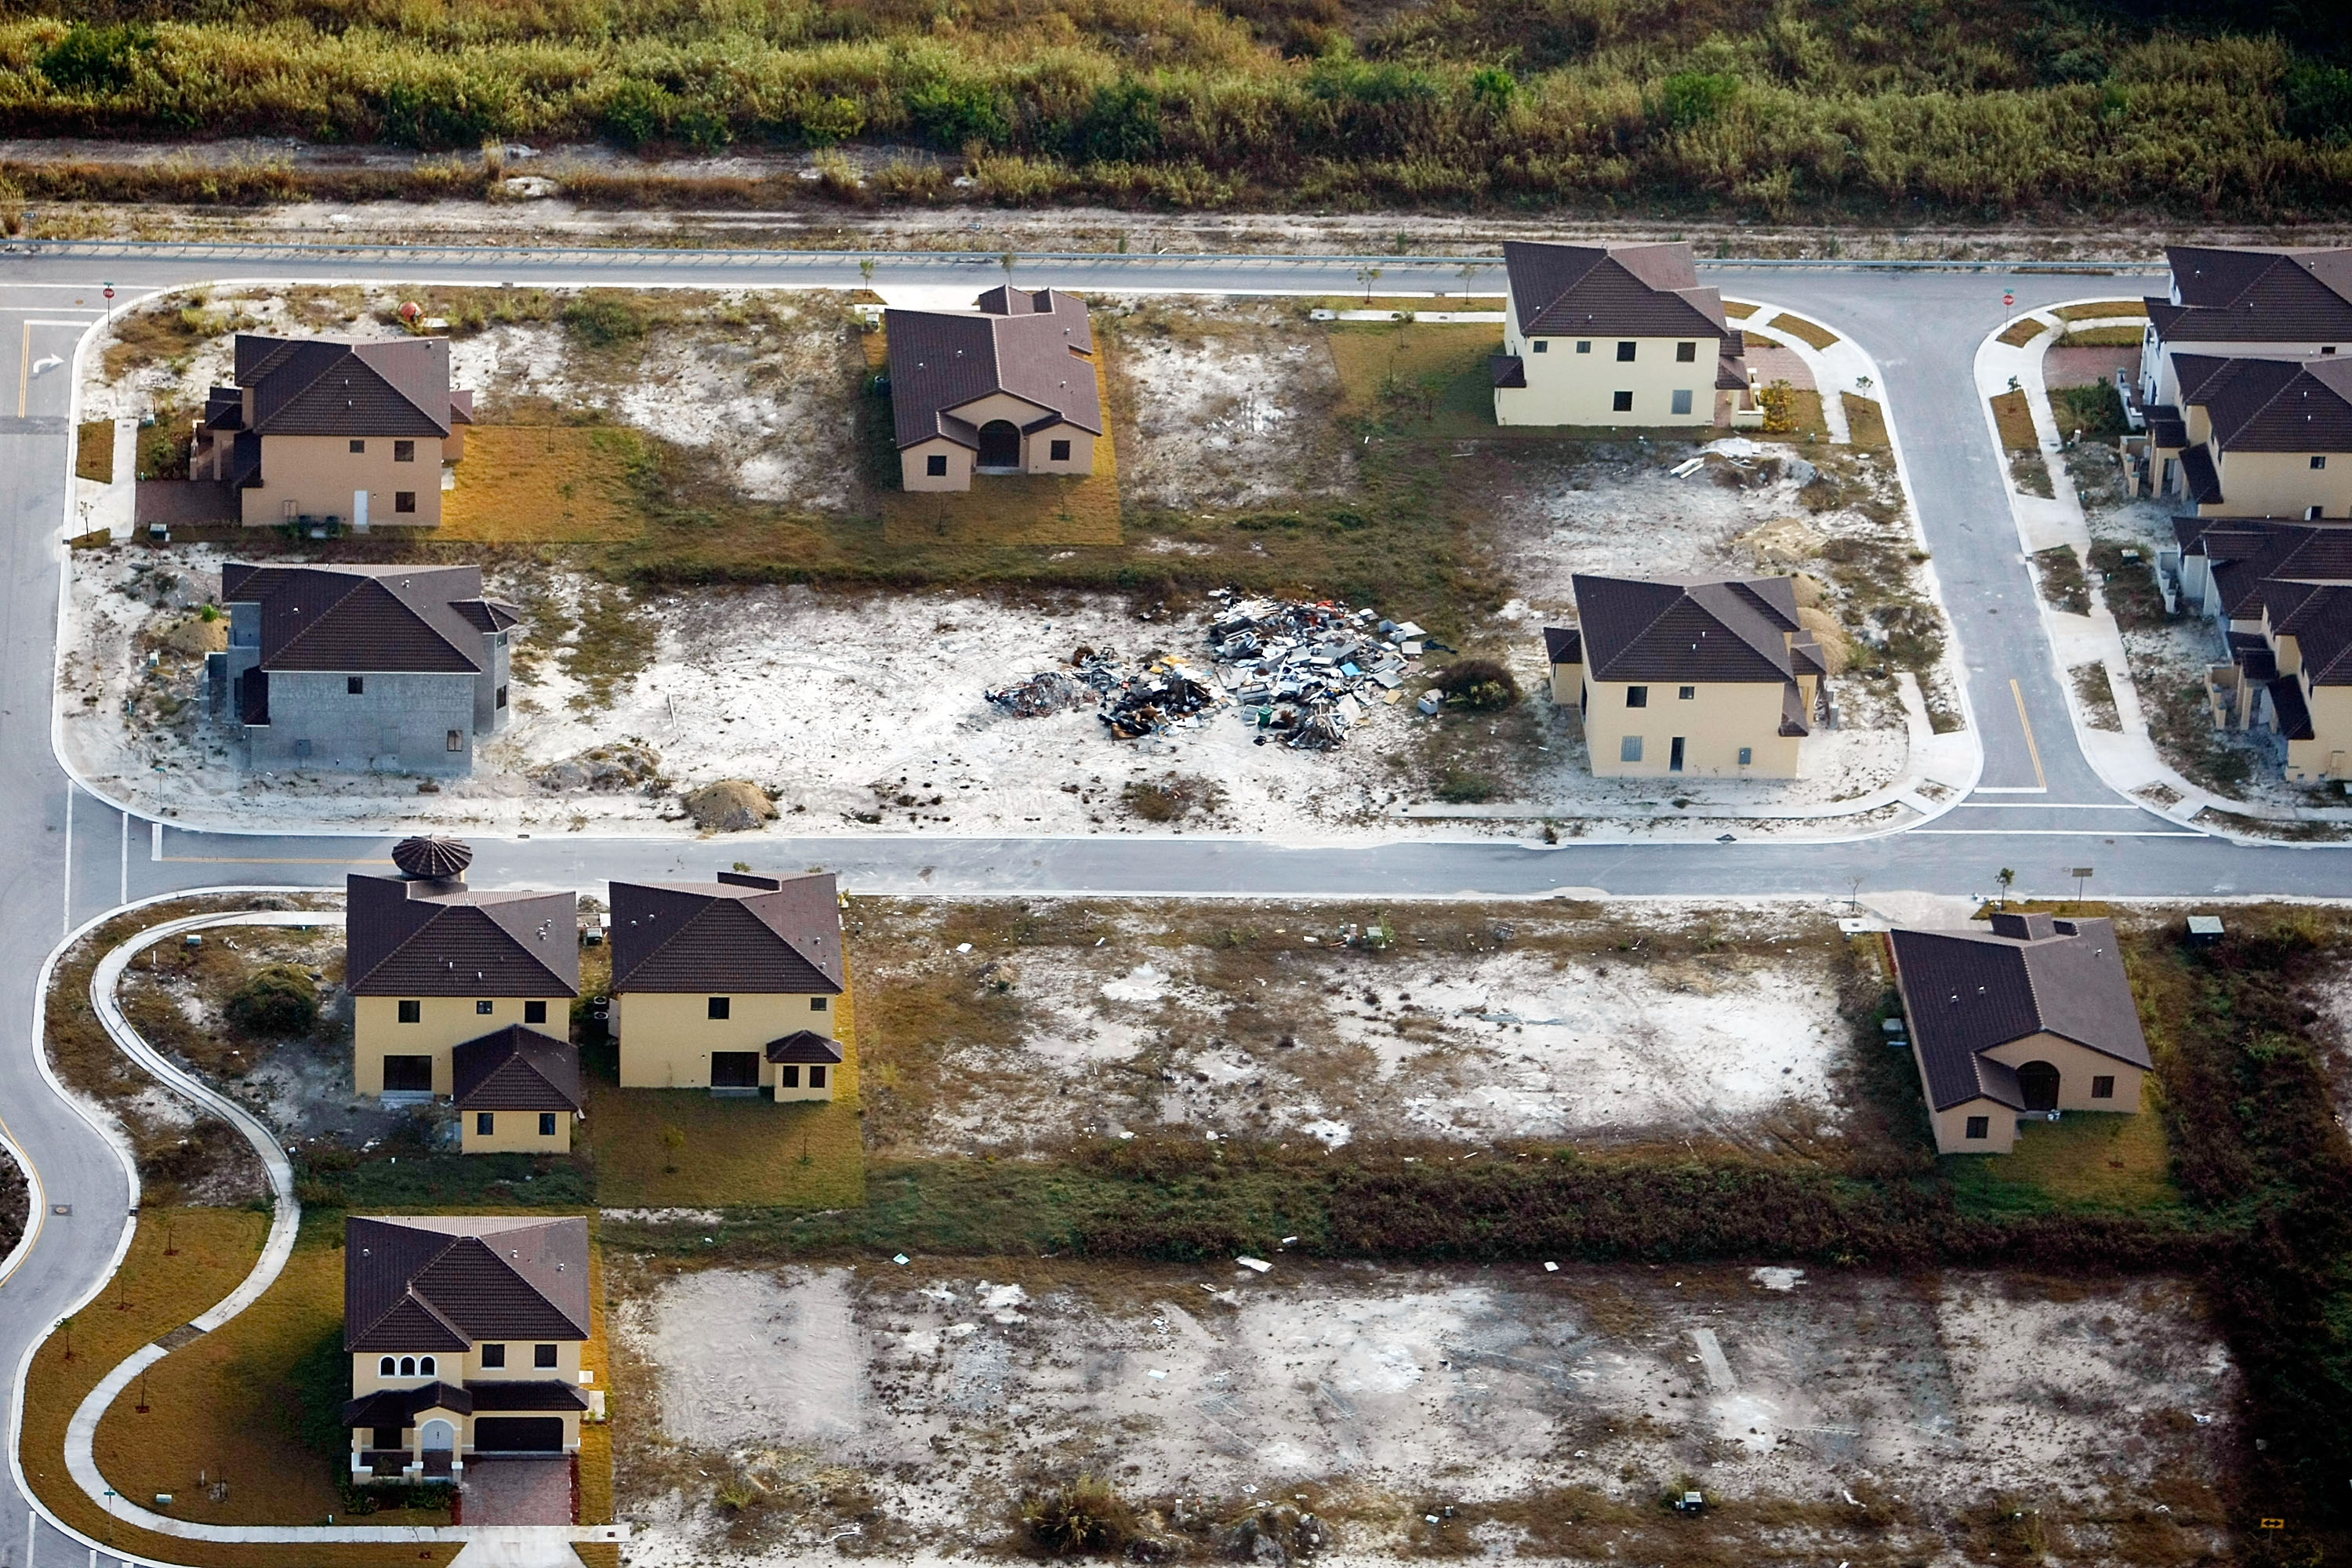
196, 635
731, 806
602, 770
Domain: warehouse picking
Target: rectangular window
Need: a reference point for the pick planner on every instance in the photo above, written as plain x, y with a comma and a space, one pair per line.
359, 446
2103, 1087
1584, 346
456, 742
547, 1124
355, 686
411, 1012
1747, 756
2319, 462
936, 466
816, 1077
403, 451
788, 1077
486, 1122
534, 1012
2314, 513
1682, 400
542, 1356
1621, 403
501, 698
1629, 748
494, 1355
1061, 452
1637, 697
1626, 353
408, 1075
1979, 1126
485, 1008
404, 501
817, 1003
719, 1007
1685, 353
1685, 693
1541, 345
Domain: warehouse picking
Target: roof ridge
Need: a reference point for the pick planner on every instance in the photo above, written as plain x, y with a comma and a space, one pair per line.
359, 583
444, 912
359, 353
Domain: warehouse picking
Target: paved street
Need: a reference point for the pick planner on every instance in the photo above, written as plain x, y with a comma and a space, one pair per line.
61, 864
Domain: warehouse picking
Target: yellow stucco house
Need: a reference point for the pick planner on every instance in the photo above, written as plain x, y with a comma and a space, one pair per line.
732, 985
1704, 677
465, 1334
1619, 335
2030, 1017
432, 964
2279, 591
334, 427
2255, 437
517, 1091
1008, 388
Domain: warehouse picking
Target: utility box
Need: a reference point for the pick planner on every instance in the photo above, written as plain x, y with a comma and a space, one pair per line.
2204, 930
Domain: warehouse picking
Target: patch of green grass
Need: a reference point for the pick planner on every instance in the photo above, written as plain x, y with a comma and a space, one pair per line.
94, 451
2096, 411
2088, 1162
412, 1180
735, 1152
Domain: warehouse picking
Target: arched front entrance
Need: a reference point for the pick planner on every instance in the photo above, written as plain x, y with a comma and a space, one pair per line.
438, 1435
999, 445
2038, 1082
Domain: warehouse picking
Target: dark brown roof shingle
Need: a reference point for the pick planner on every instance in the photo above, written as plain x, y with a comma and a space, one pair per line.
1692, 629
363, 619
343, 386
409, 938
2256, 294
1036, 347
1621, 290
414, 1282
516, 1069
751, 934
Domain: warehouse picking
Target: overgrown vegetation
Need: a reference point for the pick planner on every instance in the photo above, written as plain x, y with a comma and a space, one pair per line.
1084, 1518
1872, 106
2058, 572
2094, 413
278, 1002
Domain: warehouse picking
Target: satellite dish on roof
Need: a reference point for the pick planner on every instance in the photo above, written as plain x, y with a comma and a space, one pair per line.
435, 859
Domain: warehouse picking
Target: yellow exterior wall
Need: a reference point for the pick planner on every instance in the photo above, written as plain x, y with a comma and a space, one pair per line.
446, 1023
1715, 722
466, 1366
666, 1038
2282, 484
2076, 1066
1952, 1126
513, 1133
1565, 387
1566, 685
1041, 447
911, 463
318, 474
2328, 754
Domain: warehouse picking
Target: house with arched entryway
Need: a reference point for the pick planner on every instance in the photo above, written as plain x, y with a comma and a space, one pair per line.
1008, 388
2032, 1016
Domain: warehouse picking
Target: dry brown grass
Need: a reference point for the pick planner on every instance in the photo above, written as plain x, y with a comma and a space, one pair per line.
533, 483
1866, 419
1820, 337
2100, 337
2015, 419
2094, 309
1738, 312
2024, 330
94, 451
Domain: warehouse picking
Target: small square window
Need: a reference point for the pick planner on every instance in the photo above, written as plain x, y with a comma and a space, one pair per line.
543, 1355
534, 1012
1626, 353
2103, 1087
484, 1009
1979, 1126
936, 466
485, 1122
1584, 346
788, 1076
456, 740
1681, 400
411, 1012
1629, 748
1541, 345
2319, 462
1685, 693
1637, 697
403, 451
817, 1003
1621, 403
547, 1124
1685, 353
816, 1077
1061, 452
494, 1355
1747, 756
404, 501
355, 685
359, 446
719, 1007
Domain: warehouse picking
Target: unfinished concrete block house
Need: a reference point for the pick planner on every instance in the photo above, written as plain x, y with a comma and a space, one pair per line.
2030, 1017
360, 668
465, 1334
732, 985
1007, 388
1618, 334
1711, 677
334, 432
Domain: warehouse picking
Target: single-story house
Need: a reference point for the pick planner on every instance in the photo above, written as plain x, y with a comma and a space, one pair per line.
2030, 1017
1008, 388
1617, 335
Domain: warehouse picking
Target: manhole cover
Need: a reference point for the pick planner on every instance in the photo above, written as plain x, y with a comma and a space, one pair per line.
61, 1209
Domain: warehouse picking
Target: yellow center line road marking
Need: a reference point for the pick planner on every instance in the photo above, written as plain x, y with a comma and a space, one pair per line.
2030, 749
25, 359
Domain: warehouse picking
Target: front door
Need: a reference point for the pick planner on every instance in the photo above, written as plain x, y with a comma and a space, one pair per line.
734, 1069
1674, 761
439, 1434
999, 445
2038, 1083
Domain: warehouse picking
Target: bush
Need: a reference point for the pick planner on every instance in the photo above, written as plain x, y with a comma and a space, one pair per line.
1083, 1519
1121, 126
604, 321
96, 59
278, 1002
1481, 685
950, 115
1693, 97
2096, 410
638, 112
1462, 788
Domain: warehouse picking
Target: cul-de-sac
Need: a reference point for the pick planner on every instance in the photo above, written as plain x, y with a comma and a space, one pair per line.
1193, 781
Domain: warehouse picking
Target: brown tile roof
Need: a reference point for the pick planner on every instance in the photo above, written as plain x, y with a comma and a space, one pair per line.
757, 934
419, 1282
524, 1395
2319, 615
342, 386
516, 1069
1507, 370
2246, 551
803, 1045
1037, 347
412, 938
1621, 290
2271, 404
2254, 294
362, 619
1968, 992
1563, 645
1692, 629
402, 1406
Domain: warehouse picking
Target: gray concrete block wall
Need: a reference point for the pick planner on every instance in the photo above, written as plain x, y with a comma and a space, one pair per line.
398, 724
490, 716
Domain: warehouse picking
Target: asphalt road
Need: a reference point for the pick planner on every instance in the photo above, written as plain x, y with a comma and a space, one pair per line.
64, 859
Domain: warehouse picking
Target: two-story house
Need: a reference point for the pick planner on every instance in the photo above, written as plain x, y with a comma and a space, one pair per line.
334, 428
1688, 676
2255, 437
2244, 302
1619, 335
431, 964
1008, 388
360, 668
2032, 1017
465, 1334
732, 985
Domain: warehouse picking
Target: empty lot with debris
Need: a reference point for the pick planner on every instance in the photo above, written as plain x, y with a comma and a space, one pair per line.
1364, 1411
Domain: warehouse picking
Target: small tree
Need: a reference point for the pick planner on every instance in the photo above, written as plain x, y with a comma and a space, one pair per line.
2005, 877
1481, 685
673, 1144
1368, 276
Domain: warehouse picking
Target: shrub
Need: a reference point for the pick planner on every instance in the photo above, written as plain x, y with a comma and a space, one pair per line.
1481, 685
951, 115
638, 112
1120, 126
826, 120
604, 321
278, 1002
2096, 410
96, 59
1693, 98
1084, 1519
1460, 788
2319, 103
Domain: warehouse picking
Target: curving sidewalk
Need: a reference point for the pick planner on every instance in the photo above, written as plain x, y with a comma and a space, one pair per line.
517, 1545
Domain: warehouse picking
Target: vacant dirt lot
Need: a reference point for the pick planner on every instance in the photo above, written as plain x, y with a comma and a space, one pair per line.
1506, 1412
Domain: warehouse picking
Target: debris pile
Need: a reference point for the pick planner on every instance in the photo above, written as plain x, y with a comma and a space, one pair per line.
1306, 670
1149, 702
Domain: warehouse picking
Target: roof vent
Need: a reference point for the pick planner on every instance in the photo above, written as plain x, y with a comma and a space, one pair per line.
433, 858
